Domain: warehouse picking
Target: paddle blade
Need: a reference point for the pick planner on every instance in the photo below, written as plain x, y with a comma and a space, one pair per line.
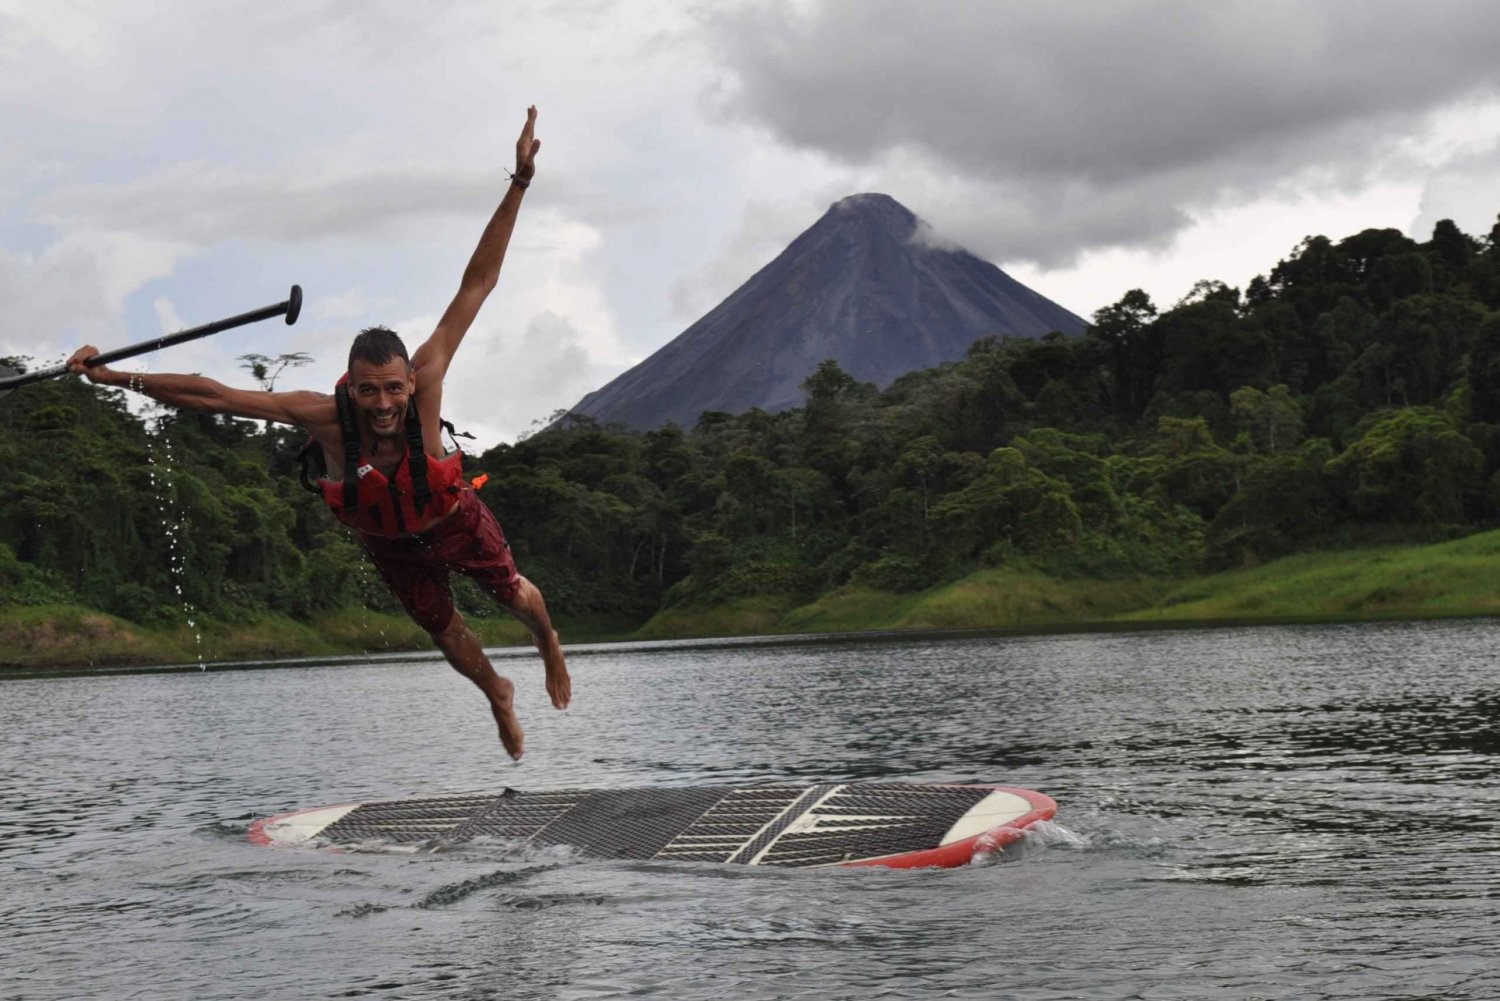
294, 305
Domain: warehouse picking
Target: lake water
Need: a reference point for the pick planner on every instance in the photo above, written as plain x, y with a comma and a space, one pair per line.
1299, 812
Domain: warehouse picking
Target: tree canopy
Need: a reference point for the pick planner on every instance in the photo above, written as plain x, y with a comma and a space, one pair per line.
1351, 393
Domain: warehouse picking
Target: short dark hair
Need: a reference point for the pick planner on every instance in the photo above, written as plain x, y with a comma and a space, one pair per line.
377, 345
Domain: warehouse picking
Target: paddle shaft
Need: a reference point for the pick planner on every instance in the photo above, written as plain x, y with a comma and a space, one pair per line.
291, 308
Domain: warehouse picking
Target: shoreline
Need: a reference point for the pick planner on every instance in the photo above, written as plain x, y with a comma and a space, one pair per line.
1448, 580
583, 649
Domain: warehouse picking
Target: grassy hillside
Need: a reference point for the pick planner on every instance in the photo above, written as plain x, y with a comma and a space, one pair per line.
1455, 578
989, 598
68, 636
1458, 578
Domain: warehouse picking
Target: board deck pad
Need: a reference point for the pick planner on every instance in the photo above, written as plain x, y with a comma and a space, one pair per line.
895, 824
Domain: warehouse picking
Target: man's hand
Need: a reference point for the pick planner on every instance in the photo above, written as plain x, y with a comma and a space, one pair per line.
527, 146
97, 373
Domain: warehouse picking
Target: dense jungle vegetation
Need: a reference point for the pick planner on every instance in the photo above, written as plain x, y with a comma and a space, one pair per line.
1350, 396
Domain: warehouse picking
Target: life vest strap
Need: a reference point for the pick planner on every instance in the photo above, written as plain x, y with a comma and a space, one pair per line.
365, 508
416, 459
350, 431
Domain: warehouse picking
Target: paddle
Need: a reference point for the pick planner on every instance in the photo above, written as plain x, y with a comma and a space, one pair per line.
10, 379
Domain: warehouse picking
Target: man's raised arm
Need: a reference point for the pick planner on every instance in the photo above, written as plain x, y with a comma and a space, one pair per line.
194, 392
432, 358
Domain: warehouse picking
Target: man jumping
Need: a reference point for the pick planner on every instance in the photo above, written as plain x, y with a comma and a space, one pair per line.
388, 475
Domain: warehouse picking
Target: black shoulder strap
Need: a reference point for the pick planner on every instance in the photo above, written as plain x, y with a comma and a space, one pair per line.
416, 457
350, 431
313, 466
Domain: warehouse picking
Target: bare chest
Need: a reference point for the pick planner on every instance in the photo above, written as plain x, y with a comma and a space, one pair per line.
385, 461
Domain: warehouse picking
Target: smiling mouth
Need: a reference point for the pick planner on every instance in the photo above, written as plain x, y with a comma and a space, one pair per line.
383, 422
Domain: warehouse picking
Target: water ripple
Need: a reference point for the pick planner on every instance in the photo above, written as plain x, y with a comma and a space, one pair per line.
1304, 812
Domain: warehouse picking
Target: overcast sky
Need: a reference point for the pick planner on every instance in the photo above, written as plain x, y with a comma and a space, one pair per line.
166, 163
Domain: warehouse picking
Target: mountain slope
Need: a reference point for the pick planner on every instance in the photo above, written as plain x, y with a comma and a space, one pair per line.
860, 286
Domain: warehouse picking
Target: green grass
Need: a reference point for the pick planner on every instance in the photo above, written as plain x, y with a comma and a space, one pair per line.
53, 635
987, 599
69, 636
1457, 578
849, 609
1448, 579
357, 630
741, 617
1004, 598
62, 636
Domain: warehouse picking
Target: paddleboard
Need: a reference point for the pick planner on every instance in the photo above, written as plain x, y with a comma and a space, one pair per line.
900, 825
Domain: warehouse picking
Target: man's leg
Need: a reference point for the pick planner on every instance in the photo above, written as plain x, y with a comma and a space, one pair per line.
415, 575
466, 654
485, 556
526, 604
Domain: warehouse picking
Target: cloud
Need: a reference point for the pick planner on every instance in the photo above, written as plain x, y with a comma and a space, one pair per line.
1070, 126
1466, 190
351, 303
166, 315
545, 337
202, 204
507, 386
765, 228
75, 290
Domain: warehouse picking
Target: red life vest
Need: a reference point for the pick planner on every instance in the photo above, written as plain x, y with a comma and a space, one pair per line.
422, 490
388, 506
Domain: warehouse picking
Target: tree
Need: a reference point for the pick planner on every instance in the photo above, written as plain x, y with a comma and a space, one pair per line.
1133, 351
1272, 420
825, 420
1009, 504
1484, 374
1283, 500
267, 370
1412, 467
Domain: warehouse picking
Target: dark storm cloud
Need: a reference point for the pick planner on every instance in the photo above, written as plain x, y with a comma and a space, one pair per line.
1128, 113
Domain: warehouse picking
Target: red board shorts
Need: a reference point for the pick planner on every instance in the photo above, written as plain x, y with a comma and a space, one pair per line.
416, 567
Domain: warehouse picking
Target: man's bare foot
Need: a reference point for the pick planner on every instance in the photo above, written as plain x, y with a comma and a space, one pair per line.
559, 684
504, 709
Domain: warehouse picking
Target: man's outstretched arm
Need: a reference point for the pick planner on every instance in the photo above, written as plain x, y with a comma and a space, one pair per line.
432, 358
194, 392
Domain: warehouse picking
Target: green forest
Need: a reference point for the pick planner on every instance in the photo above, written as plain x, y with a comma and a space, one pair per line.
1350, 397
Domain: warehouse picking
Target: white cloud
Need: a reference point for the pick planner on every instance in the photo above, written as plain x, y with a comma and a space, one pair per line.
765, 229
503, 387
199, 153
510, 374
75, 289
1231, 245
202, 204
166, 315
1466, 190
1061, 128
351, 303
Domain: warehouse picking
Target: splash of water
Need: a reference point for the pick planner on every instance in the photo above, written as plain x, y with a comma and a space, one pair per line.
1051, 834
364, 588
1038, 836
164, 488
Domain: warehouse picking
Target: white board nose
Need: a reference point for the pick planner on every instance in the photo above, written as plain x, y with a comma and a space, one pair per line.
301, 827
995, 810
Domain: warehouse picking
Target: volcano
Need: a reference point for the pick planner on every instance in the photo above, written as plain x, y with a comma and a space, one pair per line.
865, 285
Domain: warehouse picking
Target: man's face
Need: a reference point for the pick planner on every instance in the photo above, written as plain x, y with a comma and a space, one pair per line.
380, 394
